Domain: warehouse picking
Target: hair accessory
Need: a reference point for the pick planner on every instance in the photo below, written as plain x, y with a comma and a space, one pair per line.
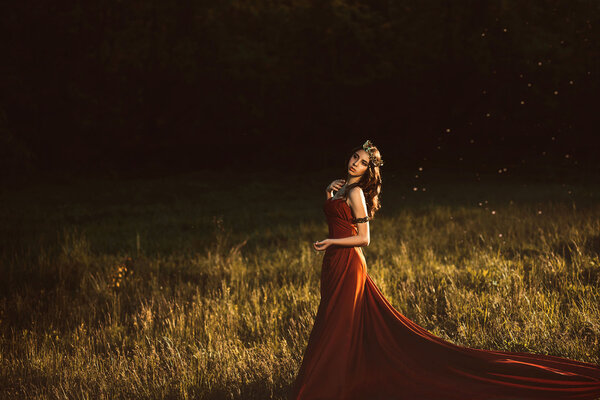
369, 148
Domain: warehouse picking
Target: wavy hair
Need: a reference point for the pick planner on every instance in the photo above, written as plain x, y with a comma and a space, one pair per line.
369, 182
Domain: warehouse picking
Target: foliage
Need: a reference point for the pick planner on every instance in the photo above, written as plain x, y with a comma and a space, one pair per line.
120, 84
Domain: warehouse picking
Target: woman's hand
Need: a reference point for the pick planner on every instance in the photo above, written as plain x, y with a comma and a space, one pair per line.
322, 245
335, 185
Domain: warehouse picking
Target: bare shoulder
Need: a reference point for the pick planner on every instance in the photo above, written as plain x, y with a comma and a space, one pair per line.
356, 195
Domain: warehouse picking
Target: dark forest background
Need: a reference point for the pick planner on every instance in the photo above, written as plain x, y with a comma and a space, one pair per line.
96, 86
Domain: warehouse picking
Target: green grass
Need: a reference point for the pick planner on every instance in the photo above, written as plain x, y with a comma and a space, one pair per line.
219, 287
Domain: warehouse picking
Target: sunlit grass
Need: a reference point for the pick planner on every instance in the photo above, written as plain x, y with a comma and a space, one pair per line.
174, 288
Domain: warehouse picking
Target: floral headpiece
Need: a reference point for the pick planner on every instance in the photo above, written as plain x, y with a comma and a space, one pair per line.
370, 149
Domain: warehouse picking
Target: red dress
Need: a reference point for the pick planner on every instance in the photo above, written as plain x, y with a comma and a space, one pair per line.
361, 347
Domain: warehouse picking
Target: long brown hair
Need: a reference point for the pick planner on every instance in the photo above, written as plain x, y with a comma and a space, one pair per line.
369, 182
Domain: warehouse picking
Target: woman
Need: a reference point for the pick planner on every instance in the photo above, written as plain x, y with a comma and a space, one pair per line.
362, 348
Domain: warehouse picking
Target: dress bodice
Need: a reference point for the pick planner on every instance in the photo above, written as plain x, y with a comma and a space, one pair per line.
339, 218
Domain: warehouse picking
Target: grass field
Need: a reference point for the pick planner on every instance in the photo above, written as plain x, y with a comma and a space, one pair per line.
205, 286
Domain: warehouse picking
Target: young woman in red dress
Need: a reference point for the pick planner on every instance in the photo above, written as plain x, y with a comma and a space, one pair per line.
362, 348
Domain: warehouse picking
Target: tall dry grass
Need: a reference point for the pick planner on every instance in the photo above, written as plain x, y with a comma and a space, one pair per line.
175, 289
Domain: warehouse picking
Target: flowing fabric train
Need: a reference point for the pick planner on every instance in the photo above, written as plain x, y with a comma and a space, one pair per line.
361, 347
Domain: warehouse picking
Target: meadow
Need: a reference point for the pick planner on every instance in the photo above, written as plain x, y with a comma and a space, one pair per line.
205, 285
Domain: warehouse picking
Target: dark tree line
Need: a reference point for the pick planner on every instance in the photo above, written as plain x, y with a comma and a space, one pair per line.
118, 84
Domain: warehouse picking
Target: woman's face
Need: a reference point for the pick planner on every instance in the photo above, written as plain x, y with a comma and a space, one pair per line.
358, 164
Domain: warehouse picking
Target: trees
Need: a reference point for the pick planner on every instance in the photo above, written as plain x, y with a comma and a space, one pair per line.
144, 79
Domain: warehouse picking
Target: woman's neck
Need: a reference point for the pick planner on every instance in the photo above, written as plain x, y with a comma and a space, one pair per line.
351, 179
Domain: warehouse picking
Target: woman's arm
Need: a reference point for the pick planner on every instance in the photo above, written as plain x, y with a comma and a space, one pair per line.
358, 205
356, 197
